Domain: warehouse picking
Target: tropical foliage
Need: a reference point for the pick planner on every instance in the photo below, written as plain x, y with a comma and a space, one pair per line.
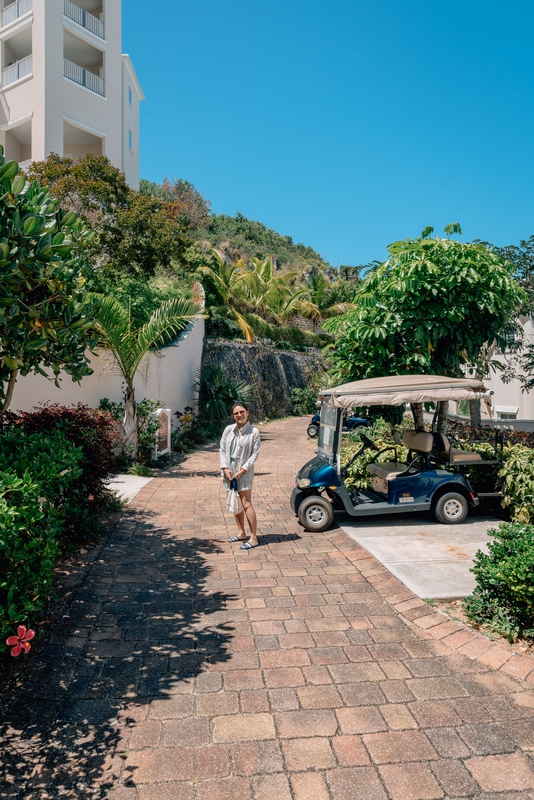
130, 346
504, 595
46, 313
218, 391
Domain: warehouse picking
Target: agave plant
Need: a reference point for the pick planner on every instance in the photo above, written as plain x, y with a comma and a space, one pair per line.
130, 347
218, 391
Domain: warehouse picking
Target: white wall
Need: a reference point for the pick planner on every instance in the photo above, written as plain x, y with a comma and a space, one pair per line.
170, 379
510, 394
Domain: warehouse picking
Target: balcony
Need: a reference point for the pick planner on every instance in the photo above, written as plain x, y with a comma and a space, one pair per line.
83, 76
15, 10
83, 17
20, 69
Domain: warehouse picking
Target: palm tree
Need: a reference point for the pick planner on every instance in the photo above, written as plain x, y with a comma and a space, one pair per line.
264, 288
218, 391
130, 347
228, 280
316, 306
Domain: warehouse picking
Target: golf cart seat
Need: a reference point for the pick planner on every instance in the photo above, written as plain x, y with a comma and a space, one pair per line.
418, 442
387, 470
453, 455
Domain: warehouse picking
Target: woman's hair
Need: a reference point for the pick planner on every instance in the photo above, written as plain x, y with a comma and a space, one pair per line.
239, 403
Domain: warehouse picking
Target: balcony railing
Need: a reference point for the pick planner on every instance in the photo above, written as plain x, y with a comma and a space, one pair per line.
82, 76
15, 10
17, 70
83, 18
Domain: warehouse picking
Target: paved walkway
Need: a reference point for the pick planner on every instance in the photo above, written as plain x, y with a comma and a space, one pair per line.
188, 670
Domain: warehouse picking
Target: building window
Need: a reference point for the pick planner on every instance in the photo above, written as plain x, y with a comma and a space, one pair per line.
130, 96
130, 139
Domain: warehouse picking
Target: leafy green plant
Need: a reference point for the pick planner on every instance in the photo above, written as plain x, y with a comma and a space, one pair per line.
504, 595
218, 391
518, 477
304, 401
130, 346
46, 312
137, 468
37, 506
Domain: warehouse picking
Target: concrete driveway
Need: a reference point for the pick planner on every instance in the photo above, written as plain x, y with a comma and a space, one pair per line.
431, 559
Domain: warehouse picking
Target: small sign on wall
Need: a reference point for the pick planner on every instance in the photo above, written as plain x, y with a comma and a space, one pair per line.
163, 435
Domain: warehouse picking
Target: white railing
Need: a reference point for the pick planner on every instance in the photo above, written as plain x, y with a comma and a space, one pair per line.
18, 70
15, 10
84, 18
82, 76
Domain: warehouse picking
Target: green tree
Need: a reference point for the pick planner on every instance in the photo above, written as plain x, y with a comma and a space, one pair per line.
130, 346
318, 303
432, 307
227, 280
46, 313
133, 233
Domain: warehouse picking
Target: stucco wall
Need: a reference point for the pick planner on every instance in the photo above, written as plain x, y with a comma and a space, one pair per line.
170, 379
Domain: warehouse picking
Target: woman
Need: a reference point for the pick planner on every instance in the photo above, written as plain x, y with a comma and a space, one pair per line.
239, 449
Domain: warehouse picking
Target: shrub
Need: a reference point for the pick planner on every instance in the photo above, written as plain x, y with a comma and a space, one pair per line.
304, 401
220, 326
147, 428
95, 433
36, 509
462, 430
504, 595
284, 334
218, 391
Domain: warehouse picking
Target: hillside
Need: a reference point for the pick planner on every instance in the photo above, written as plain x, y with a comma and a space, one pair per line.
239, 236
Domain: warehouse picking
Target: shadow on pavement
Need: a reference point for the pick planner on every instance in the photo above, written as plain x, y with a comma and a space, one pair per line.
143, 622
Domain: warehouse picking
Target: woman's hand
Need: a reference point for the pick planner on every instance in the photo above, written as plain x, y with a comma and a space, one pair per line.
227, 474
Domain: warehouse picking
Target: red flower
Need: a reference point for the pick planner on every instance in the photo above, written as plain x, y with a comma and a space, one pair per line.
91, 497
21, 641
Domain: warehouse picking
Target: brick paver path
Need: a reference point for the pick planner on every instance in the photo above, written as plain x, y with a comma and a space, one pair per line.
188, 670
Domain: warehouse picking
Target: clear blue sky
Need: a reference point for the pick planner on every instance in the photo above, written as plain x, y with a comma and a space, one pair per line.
346, 124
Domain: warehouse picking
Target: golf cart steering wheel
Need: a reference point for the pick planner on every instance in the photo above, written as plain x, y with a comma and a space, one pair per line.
368, 442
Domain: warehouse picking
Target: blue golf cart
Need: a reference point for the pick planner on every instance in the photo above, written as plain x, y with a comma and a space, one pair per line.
432, 478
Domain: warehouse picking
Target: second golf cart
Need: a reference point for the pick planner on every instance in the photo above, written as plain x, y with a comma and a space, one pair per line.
432, 478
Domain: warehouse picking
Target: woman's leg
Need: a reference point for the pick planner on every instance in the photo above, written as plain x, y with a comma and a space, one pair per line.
246, 499
240, 522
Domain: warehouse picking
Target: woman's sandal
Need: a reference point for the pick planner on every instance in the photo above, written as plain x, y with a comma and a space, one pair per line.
248, 546
233, 539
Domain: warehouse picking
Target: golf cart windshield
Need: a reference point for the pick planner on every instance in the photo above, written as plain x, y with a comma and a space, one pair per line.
398, 390
329, 432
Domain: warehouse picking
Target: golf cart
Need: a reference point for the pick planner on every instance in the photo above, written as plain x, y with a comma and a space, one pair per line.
350, 423
432, 478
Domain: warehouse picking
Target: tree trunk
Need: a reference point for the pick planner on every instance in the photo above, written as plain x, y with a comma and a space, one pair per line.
474, 413
394, 433
129, 424
10, 389
443, 417
418, 416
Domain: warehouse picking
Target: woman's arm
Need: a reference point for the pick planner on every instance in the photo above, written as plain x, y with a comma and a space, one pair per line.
222, 449
256, 443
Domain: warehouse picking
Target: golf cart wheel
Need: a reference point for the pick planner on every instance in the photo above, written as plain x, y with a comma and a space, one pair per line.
313, 430
451, 509
315, 513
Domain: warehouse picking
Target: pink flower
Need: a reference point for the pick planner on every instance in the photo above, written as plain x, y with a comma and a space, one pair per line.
91, 497
21, 641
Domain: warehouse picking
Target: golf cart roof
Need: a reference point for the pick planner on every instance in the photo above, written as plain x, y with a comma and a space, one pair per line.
395, 390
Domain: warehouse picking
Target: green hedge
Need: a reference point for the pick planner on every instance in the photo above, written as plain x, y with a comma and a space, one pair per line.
51, 496
35, 510
504, 595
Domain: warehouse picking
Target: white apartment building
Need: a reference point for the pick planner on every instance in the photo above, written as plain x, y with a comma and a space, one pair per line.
66, 87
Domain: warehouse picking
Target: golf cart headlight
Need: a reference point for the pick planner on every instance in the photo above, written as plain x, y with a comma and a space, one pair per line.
302, 483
